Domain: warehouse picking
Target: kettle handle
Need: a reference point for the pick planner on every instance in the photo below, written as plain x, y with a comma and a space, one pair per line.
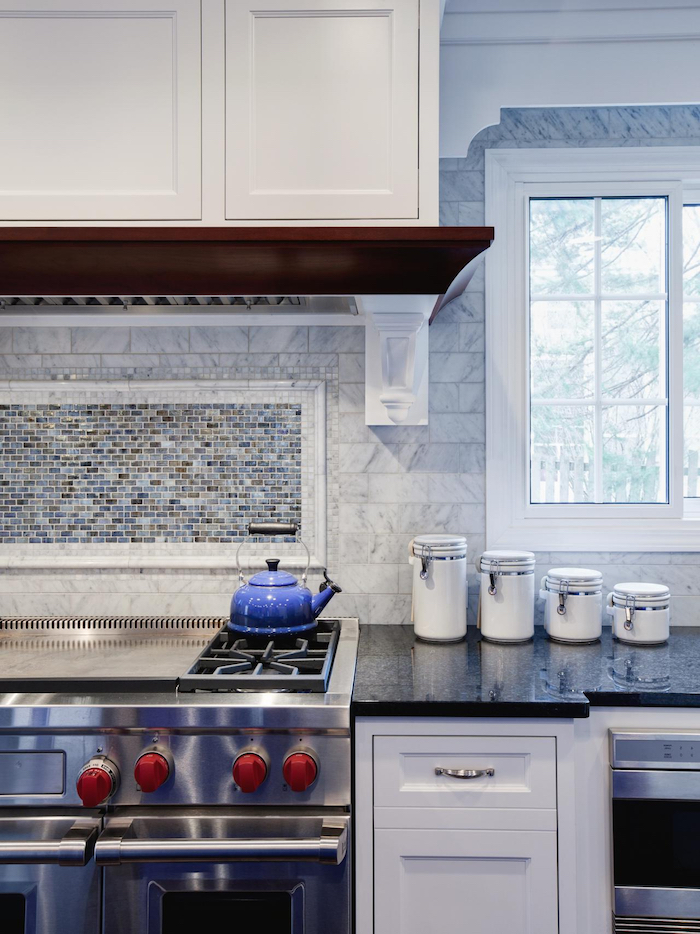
273, 528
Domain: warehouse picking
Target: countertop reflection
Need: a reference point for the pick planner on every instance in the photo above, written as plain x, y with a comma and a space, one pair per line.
398, 675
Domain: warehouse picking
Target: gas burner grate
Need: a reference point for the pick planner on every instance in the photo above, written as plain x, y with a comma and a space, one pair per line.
231, 664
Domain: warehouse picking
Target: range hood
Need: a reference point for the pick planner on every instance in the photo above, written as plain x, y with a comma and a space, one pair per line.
398, 277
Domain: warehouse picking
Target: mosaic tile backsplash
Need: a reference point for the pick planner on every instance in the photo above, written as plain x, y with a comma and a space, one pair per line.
146, 472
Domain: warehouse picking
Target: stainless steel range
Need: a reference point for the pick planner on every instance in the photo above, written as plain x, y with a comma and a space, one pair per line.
156, 802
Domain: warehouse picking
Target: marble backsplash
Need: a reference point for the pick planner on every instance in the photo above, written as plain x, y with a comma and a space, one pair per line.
393, 482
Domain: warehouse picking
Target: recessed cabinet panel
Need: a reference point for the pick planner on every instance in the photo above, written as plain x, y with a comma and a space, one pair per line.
100, 110
322, 110
485, 883
524, 771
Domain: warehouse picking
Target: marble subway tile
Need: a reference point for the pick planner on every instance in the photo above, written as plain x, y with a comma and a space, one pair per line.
556, 123
278, 339
352, 428
321, 360
470, 214
131, 360
398, 488
160, 340
100, 340
5, 340
354, 548
472, 458
431, 518
422, 458
461, 186
368, 517
351, 397
41, 340
685, 121
406, 577
467, 307
368, 458
232, 339
16, 361
685, 611
244, 360
389, 609
351, 367
444, 397
372, 578
472, 397
456, 488
443, 335
334, 339
400, 434
183, 361
348, 604
464, 427
353, 488
70, 360
457, 367
448, 213
388, 549
471, 338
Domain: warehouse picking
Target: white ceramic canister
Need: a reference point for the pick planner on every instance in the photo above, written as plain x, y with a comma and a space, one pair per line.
507, 595
573, 604
439, 587
640, 612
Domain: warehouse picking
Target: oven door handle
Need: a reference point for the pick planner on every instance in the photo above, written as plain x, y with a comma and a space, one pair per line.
74, 848
114, 847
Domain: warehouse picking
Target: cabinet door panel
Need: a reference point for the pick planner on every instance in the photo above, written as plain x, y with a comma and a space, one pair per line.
524, 771
432, 882
101, 110
322, 109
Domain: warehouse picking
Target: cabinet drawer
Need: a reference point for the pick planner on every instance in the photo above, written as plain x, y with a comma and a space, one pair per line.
524, 771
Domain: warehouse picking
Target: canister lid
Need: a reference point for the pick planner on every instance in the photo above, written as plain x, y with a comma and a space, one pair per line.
507, 559
585, 577
440, 545
641, 591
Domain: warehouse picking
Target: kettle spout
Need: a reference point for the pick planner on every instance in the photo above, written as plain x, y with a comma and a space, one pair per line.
324, 596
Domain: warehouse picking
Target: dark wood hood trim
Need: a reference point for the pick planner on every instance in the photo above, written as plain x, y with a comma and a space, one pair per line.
236, 261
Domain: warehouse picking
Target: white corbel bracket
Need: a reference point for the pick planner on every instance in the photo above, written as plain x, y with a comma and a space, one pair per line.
396, 358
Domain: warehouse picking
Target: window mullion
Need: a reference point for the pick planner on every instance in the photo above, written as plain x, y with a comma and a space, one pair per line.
598, 357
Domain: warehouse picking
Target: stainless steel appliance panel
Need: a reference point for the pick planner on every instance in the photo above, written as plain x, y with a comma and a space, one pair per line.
48, 882
288, 872
31, 773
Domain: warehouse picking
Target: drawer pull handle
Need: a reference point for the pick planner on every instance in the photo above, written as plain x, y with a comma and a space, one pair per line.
465, 773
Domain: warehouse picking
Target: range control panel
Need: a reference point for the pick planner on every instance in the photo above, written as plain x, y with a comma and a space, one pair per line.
654, 750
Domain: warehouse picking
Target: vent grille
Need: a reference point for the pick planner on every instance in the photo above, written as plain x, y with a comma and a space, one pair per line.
110, 623
656, 926
154, 304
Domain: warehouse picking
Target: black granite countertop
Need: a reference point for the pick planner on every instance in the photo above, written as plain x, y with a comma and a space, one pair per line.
398, 675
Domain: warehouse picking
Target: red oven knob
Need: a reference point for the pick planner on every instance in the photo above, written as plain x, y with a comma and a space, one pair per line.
151, 771
300, 771
249, 772
97, 781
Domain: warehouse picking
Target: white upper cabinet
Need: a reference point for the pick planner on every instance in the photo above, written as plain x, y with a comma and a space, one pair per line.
100, 110
322, 107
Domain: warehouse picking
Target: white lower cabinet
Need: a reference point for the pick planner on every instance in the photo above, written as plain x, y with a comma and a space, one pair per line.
480, 882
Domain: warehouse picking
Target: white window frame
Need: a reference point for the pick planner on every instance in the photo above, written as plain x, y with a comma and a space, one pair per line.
513, 176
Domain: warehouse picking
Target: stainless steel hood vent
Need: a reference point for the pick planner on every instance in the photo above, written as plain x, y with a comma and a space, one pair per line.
155, 304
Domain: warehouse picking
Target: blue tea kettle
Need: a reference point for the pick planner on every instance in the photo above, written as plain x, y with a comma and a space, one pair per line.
273, 602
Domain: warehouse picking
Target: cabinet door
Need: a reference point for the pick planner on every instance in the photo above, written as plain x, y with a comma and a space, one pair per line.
100, 110
322, 109
437, 881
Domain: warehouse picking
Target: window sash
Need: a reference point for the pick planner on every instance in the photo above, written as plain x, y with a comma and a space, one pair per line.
512, 178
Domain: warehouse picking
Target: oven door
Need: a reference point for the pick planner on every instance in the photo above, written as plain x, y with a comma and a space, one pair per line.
211, 869
47, 883
656, 849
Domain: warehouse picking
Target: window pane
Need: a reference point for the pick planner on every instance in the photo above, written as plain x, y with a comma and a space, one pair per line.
561, 246
633, 245
634, 454
633, 335
691, 459
561, 461
561, 335
691, 350
691, 249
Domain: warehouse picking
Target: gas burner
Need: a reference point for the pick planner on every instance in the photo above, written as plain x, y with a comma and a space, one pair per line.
232, 664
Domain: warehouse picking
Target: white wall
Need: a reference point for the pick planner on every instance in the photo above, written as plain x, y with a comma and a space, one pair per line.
562, 53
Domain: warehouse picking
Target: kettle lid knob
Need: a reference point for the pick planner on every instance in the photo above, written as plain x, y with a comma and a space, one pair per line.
272, 563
